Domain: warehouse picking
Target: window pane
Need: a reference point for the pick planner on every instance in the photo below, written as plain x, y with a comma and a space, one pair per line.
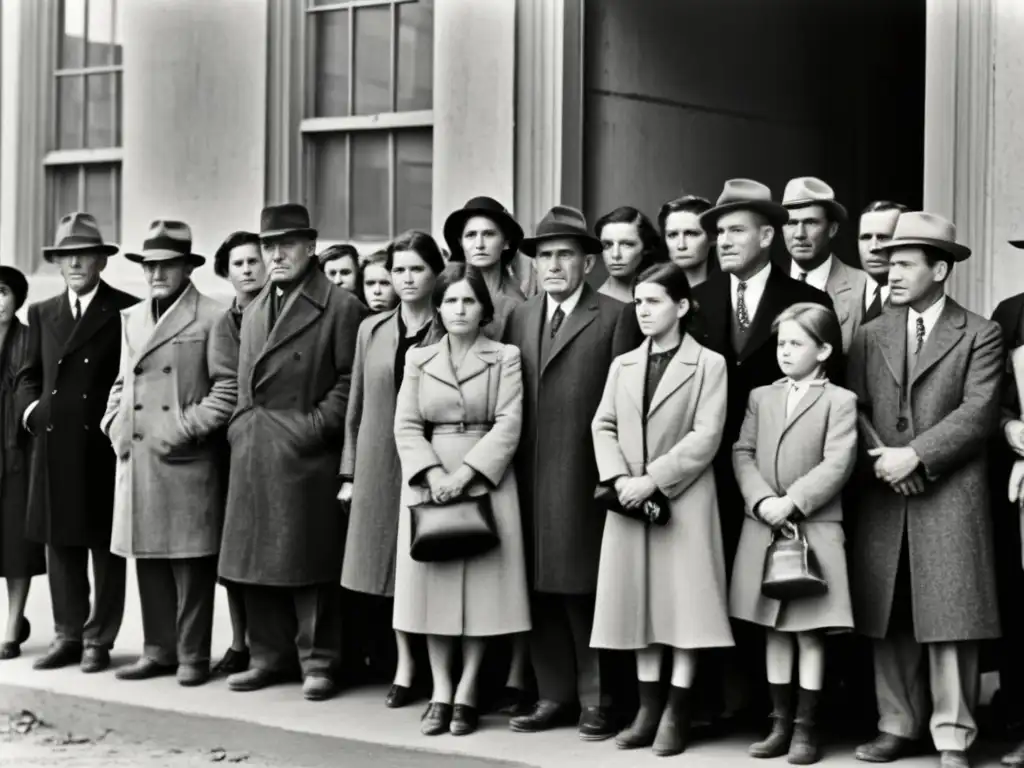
373, 61
330, 195
413, 176
70, 106
416, 55
99, 52
63, 194
330, 61
102, 197
103, 111
71, 15
370, 186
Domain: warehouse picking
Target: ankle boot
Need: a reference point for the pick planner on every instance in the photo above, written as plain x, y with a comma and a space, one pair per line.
776, 744
645, 724
803, 750
674, 728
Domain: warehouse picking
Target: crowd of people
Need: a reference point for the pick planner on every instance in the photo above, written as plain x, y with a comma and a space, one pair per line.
662, 504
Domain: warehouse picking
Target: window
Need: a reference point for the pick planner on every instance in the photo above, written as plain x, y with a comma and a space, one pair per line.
83, 157
365, 119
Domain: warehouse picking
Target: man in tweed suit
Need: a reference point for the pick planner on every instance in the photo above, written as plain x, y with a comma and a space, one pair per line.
927, 375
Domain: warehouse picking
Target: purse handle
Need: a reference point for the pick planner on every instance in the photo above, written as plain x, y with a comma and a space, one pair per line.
790, 530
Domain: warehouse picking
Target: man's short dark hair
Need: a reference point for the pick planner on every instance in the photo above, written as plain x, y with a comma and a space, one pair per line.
876, 206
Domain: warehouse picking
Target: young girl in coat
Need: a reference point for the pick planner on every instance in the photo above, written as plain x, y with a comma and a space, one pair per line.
796, 450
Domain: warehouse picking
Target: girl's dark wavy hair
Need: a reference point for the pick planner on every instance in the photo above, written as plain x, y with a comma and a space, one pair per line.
456, 272
420, 243
673, 279
235, 239
654, 251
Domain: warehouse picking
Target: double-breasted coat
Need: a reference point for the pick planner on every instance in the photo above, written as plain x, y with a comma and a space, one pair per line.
69, 371
282, 525
370, 460
176, 390
807, 457
555, 467
664, 585
954, 398
484, 595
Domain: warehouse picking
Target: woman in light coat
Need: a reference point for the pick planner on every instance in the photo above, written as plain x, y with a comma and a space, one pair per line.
796, 450
457, 427
656, 431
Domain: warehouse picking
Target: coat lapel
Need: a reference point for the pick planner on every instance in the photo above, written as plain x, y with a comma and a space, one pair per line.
100, 310
633, 370
811, 396
533, 325
716, 314
59, 318
300, 311
439, 366
839, 284
893, 342
583, 315
773, 301
179, 315
680, 370
772, 414
948, 330
481, 356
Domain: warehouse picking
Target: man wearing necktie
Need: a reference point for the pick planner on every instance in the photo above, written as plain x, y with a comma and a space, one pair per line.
927, 375
567, 336
75, 343
877, 223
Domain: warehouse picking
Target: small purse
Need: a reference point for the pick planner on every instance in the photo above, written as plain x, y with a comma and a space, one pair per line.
458, 530
655, 510
791, 570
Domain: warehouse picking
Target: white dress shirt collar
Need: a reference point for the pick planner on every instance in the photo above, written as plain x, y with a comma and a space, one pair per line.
871, 287
755, 290
817, 277
85, 299
930, 317
568, 305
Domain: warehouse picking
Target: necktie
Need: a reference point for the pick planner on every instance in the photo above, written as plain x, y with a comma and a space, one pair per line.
742, 318
802, 277
78, 309
556, 320
875, 307
919, 331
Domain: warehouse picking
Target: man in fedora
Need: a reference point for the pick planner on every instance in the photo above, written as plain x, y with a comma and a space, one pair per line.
283, 536
737, 308
175, 392
565, 334
927, 375
814, 220
877, 224
75, 342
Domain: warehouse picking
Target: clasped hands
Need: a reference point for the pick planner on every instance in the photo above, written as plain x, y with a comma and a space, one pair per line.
445, 487
634, 491
896, 466
776, 510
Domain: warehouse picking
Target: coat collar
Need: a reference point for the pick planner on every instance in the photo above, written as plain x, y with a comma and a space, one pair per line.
780, 396
438, 363
301, 309
100, 311
177, 317
680, 370
948, 330
840, 278
584, 314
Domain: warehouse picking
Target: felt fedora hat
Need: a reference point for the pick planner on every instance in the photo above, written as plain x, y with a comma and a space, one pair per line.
166, 241
78, 233
560, 222
745, 195
808, 190
480, 206
286, 219
915, 229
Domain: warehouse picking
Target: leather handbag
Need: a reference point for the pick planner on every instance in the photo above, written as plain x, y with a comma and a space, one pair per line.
458, 530
655, 510
791, 570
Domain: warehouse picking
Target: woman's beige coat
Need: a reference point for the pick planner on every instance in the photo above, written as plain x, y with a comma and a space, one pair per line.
663, 585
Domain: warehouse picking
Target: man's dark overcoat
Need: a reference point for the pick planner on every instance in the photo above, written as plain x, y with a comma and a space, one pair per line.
555, 463
282, 525
70, 371
954, 397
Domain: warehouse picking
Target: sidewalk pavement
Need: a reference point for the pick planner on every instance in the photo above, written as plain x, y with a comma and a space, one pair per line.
353, 729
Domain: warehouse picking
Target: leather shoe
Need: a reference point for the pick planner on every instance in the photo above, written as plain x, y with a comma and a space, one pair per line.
232, 663
514, 702
144, 669
399, 696
61, 654
9, 651
1014, 758
596, 724
255, 679
545, 715
95, 659
886, 748
191, 675
465, 720
317, 688
437, 719
954, 759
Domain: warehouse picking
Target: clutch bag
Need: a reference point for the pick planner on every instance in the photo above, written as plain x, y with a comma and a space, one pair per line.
655, 510
458, 530
791, 570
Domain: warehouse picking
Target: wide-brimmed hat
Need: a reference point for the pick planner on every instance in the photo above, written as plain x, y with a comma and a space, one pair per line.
286, 219
562, 221
808, 190
166, 241
15, 280
745, 195
77, 233
481, 206
918, 228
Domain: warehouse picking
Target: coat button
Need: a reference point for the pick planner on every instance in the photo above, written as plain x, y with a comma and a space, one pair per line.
84, 396
54, 392
136, 436
60, 361
138, 370
167, 369
165, 407
87, 361
901, 424
49, 427
138, 406
85, 427
298, 355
